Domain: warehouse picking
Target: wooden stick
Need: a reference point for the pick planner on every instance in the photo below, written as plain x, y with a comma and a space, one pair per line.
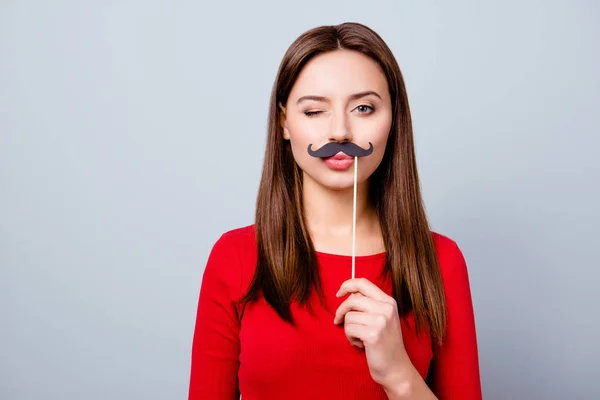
354, 218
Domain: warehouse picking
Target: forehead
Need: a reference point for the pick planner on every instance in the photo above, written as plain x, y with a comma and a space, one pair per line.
339, 73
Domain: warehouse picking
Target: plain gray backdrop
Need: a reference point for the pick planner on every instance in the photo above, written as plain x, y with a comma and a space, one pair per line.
115, 182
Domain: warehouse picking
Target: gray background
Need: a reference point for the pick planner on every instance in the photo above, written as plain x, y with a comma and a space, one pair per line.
114, 186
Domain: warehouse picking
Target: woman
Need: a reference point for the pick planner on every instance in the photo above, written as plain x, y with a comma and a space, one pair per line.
278, 315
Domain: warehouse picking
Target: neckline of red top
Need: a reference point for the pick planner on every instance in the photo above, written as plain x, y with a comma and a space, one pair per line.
344, 257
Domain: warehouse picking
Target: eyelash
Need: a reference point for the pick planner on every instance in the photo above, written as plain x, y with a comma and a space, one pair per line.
313, 113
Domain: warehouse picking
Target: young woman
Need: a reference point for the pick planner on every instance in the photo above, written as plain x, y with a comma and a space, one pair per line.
279, 316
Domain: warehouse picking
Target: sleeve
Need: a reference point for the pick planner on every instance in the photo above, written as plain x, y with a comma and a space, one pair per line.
216, 345
456, 364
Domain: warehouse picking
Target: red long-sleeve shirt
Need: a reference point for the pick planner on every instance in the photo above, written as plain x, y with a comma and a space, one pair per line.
262, 357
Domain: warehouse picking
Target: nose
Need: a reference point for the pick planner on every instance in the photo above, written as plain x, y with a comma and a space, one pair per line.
340, 128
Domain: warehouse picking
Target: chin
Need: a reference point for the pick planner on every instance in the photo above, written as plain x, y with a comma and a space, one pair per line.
343, 181
333, 180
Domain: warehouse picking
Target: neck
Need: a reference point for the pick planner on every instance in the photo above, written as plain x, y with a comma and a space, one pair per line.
330, 212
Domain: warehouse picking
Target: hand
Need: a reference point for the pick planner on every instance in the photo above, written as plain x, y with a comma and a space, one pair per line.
371, 322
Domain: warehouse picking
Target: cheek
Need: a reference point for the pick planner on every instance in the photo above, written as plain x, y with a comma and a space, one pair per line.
299, 144
299, 151
382, 129
369, 164
303, 133
374, 129
299, 132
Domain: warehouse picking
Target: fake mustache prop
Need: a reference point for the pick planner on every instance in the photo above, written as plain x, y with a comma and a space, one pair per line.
332, 148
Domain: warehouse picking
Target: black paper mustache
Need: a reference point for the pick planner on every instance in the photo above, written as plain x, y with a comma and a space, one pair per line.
332, 148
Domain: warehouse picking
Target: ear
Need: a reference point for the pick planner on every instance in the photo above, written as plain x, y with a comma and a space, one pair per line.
283, 121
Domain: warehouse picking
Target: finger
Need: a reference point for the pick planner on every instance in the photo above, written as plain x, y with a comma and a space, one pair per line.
365, 287
367, 319
366, 334
358, 302
354, 302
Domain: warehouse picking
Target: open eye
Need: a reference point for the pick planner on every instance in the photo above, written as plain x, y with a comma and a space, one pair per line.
364, 109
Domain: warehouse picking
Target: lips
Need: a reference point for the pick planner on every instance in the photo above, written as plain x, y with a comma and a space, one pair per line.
339, 156
339, 161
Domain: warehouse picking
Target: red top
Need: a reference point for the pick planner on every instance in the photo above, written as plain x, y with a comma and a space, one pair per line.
262, 357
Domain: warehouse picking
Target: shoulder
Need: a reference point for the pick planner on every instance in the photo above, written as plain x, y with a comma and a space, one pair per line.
239, 242
234, 238
450, 257
233, 256
445, 246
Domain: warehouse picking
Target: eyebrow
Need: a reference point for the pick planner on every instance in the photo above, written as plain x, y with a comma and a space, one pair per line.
354, 96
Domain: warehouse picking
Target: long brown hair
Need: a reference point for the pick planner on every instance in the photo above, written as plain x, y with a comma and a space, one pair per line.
287, 267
